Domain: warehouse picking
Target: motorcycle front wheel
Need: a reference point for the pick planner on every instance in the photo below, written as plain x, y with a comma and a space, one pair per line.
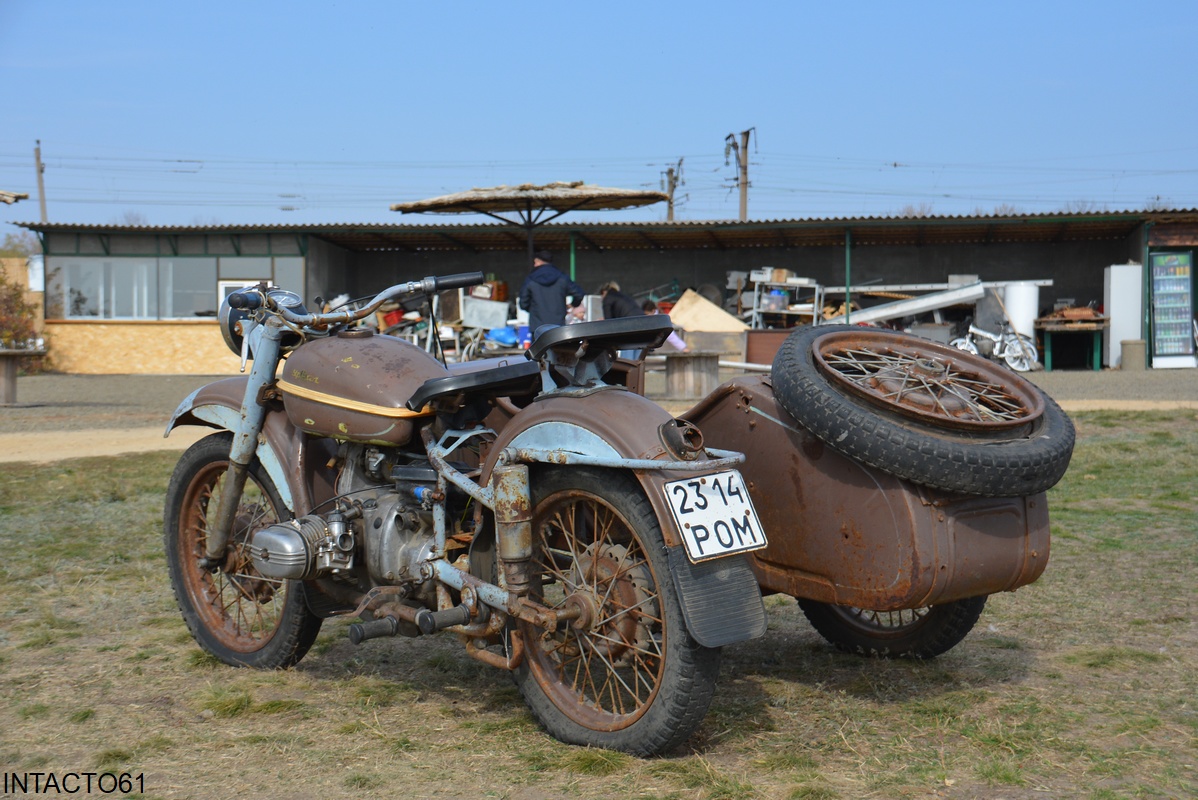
626, 676
964, 343
234, 613
908, 633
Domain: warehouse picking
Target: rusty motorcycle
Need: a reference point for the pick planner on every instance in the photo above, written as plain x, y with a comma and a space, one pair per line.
562, 525
592, 544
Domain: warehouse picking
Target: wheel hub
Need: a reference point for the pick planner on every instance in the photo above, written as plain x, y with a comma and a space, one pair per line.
610, 598
921, 386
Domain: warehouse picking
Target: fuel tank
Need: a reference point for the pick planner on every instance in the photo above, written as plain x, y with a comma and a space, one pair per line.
354, 386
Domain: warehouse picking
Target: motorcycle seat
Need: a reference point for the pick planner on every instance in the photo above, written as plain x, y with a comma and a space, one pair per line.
509, 380
624, 333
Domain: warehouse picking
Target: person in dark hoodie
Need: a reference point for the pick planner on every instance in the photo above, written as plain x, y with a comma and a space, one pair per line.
616, 303
544, 293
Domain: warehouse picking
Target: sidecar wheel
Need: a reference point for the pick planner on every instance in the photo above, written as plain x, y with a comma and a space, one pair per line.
628, 676
235, 614
912, 633
923, 411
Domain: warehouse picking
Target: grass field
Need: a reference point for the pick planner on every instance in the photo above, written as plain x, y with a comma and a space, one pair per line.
1084, 684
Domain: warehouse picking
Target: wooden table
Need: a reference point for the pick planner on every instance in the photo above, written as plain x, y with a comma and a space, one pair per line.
1094, 328
9, 360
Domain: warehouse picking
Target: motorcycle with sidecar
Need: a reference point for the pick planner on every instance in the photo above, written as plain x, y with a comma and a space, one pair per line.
569, 530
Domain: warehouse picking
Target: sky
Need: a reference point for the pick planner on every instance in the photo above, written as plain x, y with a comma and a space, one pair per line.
310, 113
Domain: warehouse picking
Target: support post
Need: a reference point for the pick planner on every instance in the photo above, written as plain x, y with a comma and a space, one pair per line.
848, 277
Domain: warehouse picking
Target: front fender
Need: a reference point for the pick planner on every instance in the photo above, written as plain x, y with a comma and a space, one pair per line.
296, 463
720, 599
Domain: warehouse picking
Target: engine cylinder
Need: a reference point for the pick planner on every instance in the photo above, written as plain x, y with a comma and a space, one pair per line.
287, 550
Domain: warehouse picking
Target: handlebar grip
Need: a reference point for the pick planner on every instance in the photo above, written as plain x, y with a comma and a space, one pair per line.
459, 281
246, 301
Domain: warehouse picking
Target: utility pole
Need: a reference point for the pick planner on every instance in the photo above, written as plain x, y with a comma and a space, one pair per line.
672, 181
742, 163
41, 182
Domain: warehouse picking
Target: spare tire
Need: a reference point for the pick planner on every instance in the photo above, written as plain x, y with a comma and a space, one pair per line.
923, 411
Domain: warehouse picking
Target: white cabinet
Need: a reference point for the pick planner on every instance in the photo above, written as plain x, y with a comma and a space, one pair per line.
1122, 302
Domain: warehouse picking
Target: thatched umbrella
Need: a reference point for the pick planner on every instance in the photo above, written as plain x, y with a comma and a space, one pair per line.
533, 205
11, 197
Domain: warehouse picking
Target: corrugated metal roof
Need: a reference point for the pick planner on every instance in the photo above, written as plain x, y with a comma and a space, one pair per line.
691, 234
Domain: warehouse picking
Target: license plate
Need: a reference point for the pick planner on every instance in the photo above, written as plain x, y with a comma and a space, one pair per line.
715, 515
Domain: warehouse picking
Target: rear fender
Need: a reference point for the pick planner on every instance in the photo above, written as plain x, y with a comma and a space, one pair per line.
296, 463
720, 599
611, 423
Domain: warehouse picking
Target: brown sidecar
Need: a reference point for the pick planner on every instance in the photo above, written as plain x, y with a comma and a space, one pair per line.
900, 482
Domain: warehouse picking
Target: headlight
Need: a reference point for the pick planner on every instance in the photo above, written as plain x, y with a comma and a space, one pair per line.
230, 318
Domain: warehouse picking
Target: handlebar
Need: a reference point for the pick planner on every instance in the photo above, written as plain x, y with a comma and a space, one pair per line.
249, 299
245, 301
459, 281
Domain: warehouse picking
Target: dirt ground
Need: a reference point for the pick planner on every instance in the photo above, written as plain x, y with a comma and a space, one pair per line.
75, 416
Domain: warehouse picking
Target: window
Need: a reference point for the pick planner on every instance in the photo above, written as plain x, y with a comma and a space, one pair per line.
182, 287
186, 286
106, 288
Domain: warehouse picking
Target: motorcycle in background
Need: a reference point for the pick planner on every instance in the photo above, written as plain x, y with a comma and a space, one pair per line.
1018, 351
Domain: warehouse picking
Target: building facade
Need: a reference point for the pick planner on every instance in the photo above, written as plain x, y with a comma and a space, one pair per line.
133, 299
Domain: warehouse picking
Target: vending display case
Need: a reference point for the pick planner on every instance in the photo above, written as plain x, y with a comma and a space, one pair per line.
1172, 287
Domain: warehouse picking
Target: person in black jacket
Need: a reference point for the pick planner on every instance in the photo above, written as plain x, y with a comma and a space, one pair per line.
544, 292
616, 303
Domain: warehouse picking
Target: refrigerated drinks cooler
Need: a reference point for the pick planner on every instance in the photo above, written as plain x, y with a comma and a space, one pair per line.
1172, 286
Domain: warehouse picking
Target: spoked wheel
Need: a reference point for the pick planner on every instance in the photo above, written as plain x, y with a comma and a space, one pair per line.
923, 411
234, 613
626, 675
914, 633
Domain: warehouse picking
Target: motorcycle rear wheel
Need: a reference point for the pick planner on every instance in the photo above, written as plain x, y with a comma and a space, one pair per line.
910, 633
234, 613
632, 678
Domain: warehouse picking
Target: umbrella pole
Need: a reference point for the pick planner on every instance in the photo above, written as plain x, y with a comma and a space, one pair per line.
529, 224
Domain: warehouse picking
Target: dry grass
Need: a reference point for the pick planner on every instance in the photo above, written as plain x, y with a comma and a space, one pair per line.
1082, 685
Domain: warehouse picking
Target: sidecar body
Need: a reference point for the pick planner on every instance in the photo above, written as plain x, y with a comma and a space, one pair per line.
845, 533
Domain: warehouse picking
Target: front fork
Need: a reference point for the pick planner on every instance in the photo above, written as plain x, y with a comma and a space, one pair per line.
264, 341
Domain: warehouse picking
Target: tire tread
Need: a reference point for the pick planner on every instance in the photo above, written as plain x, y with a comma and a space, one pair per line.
996, 468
